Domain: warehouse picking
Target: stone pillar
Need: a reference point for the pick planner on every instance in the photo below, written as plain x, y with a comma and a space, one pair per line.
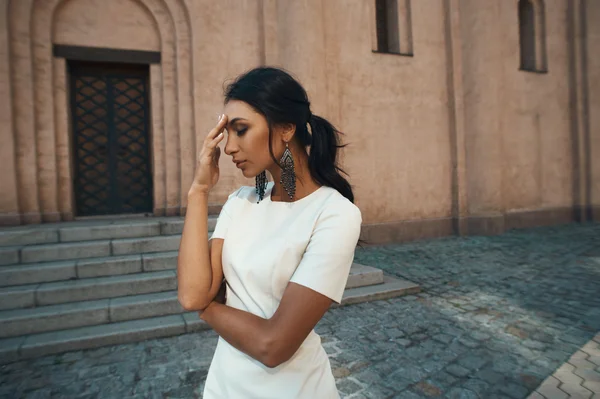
9, 201
592, 60
23, 110
62, 118
185, 89
479, 32
456, 114
580, 117
158, 140
42, 15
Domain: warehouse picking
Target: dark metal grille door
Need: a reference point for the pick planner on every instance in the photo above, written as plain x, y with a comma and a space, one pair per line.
111, 143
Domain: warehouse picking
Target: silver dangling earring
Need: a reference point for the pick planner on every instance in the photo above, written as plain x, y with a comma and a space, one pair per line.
288, 173
261, 185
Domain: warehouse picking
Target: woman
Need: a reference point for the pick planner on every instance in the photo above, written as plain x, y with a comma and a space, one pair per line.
284, 248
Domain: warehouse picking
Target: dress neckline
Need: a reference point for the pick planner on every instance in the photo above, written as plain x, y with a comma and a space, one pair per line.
270, 190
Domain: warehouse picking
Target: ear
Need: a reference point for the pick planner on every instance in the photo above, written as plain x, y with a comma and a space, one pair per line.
287, 131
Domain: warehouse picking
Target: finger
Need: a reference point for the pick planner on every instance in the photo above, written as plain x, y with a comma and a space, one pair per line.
214, 142
218, 128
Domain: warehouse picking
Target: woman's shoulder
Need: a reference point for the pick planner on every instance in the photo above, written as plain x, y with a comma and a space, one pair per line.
236, 199
335, 204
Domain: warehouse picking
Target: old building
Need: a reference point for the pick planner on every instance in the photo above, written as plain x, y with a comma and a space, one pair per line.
463, 116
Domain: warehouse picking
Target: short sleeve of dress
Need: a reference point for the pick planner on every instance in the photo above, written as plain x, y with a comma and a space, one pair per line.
326, 263
225, 216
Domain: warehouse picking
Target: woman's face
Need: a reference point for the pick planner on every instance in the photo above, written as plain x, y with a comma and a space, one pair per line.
248, 139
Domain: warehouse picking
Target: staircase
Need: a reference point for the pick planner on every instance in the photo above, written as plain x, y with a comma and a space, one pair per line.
85, 284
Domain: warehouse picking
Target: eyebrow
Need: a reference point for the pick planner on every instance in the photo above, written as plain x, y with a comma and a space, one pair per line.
234, 120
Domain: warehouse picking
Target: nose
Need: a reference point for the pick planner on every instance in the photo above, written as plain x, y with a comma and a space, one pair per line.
230, 145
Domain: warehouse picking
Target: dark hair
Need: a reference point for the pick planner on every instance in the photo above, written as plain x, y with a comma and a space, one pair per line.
276, 95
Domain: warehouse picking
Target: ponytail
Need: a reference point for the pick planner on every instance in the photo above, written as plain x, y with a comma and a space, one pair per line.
322, 159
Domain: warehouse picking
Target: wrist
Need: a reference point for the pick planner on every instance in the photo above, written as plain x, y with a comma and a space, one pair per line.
198, 190
207, 311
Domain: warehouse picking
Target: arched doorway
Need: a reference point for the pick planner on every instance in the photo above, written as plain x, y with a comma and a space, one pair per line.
111, 144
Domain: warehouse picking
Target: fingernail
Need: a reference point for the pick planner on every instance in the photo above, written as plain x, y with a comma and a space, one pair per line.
221, 117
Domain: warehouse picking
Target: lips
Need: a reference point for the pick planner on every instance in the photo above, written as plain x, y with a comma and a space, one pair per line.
238, 163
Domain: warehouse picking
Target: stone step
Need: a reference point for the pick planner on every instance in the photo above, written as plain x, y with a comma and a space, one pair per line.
86, 268
391, 288
158, 275
95, 249
15, 322
16, 275
128, 264
18, 322
53, 293
361, 276
36, 345
121, 332
92, 230
9, 255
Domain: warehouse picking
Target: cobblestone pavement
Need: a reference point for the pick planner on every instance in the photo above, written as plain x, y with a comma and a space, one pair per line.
497, 317
577, 378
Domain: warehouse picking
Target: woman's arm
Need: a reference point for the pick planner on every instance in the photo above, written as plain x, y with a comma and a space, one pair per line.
199, 269
270, 341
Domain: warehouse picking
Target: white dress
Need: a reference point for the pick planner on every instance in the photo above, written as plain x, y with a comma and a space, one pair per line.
310, 242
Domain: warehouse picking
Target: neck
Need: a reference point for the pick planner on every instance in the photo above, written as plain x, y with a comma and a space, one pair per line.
305, 185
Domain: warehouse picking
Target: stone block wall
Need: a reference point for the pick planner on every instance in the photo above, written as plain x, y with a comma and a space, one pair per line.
452, 138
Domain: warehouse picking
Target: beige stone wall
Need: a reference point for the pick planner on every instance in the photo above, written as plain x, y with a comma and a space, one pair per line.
233, 47
593, 109
455, 132
535, 119
85, 22
519, 154
395, 114
41, 125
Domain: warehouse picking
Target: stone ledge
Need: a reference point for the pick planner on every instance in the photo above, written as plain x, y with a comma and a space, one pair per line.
109, 266
159, 261
37, 345
10, 219
408, 230
485, 224
111, 231
64, 251
391, 288
9, 255
103, 335
105, 287
22, 322
144, 306
93, 230
361, 275
22, 296
37, 273
128, 246
27, 235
